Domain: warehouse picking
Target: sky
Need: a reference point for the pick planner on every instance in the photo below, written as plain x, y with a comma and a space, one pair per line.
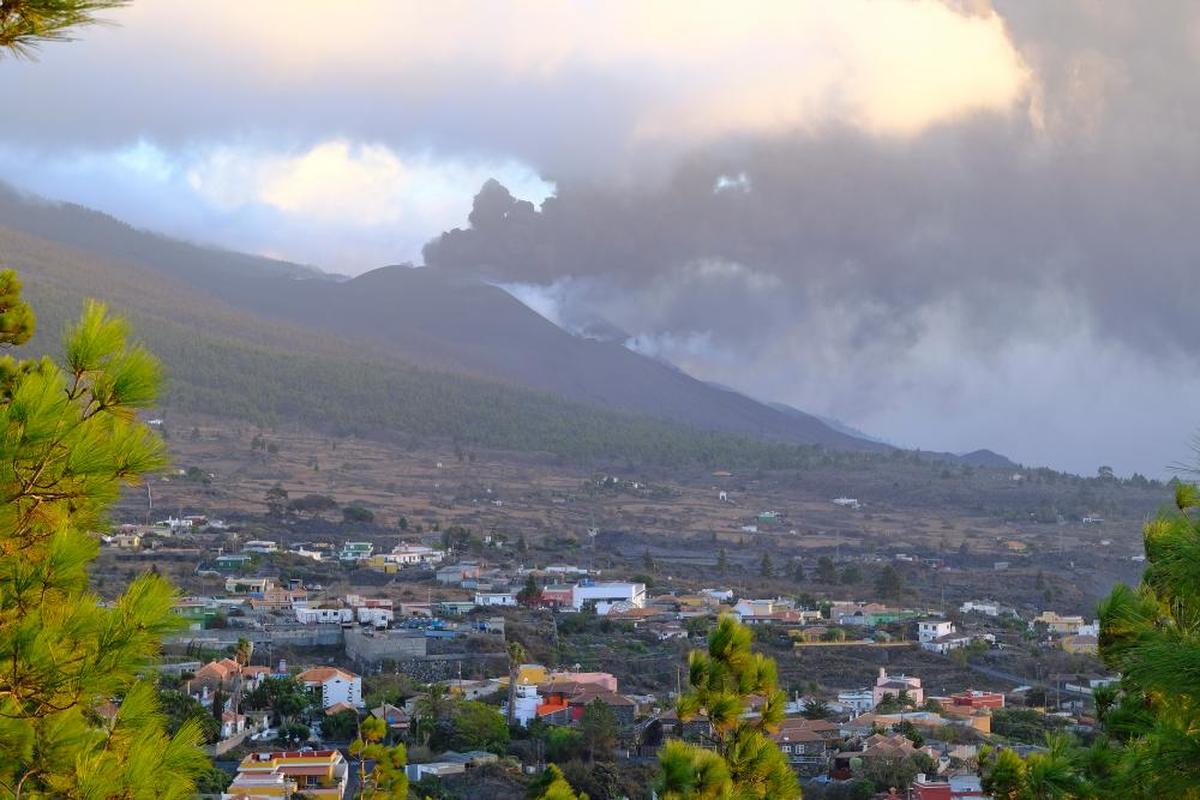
950, 223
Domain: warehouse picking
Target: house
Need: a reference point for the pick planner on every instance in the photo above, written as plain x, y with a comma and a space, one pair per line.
225, 674
260, 546
248, 585
878, 746
232, 724
407, 554
335, 685
1080, 644
557, 595
495, 599
895, 684
975, 699
930, 629
989, 608
325, 614
806, 743
606, 596
371, 611
356, 551
954, 787
233, 561
457, 573
318, 774
397, 719
944, 644
276, 598
858, 700
1067, 625
197, 611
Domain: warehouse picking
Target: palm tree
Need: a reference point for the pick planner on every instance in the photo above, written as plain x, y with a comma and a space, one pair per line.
243, 651
434, 703
516, 657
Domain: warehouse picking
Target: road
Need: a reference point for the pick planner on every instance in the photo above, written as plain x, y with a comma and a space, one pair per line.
1022, 680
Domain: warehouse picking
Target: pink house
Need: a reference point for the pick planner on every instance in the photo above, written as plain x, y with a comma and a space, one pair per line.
895, 684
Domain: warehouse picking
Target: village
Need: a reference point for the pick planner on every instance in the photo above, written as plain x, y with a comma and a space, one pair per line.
486, 665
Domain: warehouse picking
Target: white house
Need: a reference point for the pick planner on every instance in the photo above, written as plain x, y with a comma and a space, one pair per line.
371, 610
607, 595
944, 644
495, 599
336, 685
527, 702
232, 724
407, 554
988, 608
931, 629
314, 615
260, 546
859, 700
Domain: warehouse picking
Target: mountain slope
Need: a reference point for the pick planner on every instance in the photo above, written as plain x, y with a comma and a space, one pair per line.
425, 317
222, 360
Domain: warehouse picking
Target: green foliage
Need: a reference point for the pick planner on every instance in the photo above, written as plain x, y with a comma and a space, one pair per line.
598, 725
26, 24
69, 438
286, 698
889, 584
554, 786
479, 726
387, 778
1024, 724
816, 709
357, 515
213, 781
530, 594
339, 727
1151, 636
563, 743
826, 571
743, 761
179, 708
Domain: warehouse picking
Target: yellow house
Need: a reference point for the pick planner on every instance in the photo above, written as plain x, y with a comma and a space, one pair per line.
1068, 624
319, 774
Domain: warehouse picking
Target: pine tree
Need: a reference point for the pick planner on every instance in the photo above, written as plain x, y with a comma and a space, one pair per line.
722, 561
387, 778
798, 571
1150, 635
826, 571
555, 786
743, 761
889, 584
764, 568
69, 438
26, 24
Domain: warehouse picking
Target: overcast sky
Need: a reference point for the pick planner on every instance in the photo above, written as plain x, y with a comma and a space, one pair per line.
951, 224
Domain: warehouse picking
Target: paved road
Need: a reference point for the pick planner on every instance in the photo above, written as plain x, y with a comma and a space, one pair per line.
1023, 680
